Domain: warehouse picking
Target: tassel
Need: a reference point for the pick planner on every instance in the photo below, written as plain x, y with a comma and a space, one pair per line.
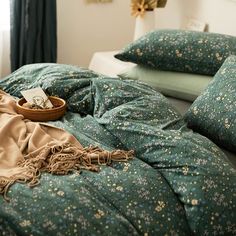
60, 160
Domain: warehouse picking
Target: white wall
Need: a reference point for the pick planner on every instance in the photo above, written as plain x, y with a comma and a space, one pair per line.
170, 16
4, 53
85, 28
220, 15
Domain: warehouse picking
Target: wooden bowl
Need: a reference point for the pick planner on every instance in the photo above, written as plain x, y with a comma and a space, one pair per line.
54, 113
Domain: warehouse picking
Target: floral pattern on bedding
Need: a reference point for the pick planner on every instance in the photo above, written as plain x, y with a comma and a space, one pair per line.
180, 50
179, 183
216, 106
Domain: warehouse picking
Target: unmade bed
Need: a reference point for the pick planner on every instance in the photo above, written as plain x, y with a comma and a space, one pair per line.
178, 183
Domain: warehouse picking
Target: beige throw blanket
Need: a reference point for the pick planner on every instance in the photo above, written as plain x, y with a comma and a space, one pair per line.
29, 148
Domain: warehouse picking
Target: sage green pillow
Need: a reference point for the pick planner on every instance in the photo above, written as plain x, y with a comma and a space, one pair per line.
214, 112
185, 86
180, 50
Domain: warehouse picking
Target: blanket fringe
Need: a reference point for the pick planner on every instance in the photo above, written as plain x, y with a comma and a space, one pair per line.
60, 160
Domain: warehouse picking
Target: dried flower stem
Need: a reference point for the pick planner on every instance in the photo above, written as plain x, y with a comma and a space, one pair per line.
139, 7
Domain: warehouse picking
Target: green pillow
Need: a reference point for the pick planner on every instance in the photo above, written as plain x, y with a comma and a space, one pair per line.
180, 50
214, 112
185, 86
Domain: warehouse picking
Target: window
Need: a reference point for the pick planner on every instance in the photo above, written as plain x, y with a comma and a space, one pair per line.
4, 38
4, 14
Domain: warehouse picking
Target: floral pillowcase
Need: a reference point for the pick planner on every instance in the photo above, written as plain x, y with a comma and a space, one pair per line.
213, 113
180, 50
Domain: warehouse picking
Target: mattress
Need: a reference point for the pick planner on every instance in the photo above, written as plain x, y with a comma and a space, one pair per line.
171, 186
105, 63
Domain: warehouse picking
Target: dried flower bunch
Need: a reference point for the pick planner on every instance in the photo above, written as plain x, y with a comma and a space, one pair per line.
139, 7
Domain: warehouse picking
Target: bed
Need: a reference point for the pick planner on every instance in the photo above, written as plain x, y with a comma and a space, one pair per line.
182, 106
178, 182
105, 63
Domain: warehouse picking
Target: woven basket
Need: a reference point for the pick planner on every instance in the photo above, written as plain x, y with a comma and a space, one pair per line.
43, 115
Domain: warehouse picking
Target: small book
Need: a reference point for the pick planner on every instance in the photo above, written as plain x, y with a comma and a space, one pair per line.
37, 96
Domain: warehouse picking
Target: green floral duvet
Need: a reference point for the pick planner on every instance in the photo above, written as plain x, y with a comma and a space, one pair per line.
179, 183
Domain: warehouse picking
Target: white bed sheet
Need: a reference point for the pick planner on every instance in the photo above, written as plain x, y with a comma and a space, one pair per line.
105, 63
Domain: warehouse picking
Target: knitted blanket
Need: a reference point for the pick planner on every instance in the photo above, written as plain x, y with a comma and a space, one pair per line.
29, 148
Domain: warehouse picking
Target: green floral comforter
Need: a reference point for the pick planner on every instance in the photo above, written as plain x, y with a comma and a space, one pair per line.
179, 182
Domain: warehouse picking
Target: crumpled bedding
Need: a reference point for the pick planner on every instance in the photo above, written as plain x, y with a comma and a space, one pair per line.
179, 183
30, 148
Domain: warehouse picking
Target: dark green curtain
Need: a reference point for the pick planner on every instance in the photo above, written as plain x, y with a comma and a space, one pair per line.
33, 32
